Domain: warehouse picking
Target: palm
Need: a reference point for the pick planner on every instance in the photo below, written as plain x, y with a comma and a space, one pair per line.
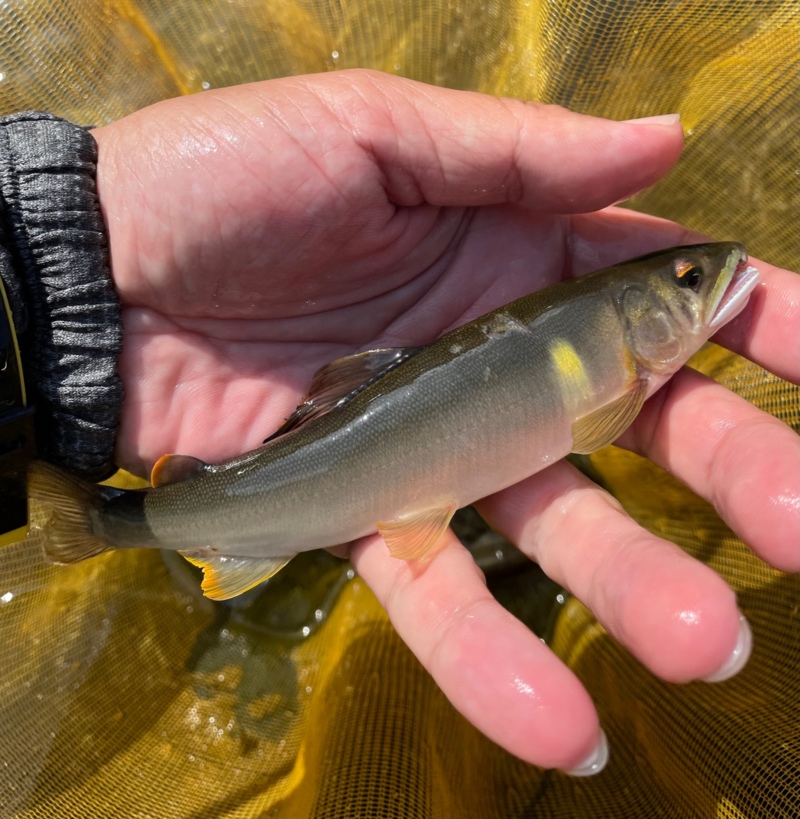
261, 232
234, 378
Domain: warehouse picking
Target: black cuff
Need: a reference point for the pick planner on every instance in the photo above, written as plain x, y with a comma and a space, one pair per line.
54, 264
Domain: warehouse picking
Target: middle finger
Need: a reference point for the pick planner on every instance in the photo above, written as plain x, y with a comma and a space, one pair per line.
672, 612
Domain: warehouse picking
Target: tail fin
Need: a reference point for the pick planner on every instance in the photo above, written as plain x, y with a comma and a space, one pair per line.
69, 533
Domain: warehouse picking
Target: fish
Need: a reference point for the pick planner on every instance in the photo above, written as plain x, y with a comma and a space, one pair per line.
396, 440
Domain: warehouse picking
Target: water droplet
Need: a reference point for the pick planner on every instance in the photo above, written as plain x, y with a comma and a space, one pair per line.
306, 631
8, 596
205, 85
318, 615
335, 55
2, 76
560, 599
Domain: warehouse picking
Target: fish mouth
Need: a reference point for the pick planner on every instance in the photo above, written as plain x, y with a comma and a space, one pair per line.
736, 295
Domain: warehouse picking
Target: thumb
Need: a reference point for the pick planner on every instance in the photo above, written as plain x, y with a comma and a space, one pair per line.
448, 147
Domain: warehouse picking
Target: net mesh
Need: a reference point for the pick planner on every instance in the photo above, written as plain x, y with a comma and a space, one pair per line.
126, 693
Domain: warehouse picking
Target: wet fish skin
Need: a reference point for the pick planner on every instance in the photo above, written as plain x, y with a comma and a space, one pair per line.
433, 429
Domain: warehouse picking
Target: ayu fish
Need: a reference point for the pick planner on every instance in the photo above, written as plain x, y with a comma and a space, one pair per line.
396, 440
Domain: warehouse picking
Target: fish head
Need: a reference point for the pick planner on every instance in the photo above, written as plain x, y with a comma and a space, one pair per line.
673, 301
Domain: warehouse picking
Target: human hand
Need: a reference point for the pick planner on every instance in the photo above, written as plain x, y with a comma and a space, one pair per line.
259, 232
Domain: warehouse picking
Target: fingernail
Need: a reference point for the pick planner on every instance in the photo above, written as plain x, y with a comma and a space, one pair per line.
595, 762
739, 657
661, 119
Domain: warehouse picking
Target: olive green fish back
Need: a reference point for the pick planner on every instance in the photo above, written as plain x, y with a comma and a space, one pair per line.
124, 692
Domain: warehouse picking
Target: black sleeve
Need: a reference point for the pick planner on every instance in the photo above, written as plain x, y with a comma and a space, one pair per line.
54, 265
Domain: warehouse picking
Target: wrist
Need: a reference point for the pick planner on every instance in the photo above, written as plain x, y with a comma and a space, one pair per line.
54, 264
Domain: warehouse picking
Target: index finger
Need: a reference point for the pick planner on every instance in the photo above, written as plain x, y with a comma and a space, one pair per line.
766, 331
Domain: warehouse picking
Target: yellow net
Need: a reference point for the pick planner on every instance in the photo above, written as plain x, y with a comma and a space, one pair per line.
124, 692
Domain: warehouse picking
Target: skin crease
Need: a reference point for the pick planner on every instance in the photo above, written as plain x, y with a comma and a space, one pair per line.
261, 231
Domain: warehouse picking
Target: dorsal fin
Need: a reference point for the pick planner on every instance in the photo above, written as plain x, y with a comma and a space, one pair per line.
176, 469
341, 380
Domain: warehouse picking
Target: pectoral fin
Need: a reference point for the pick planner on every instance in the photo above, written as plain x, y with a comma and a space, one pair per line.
409, 537
600, 428
225, 577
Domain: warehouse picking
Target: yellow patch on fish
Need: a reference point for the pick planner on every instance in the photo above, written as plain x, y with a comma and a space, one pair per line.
574, 379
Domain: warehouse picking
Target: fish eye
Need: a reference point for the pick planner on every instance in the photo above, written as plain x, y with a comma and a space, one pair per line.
689, 275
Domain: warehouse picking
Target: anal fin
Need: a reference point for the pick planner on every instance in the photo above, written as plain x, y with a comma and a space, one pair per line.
410, 537
225, 576
603, 426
